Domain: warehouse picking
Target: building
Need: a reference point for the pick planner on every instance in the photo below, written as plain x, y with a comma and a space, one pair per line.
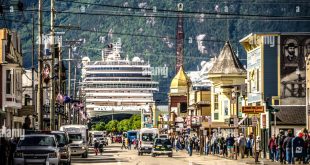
178, 99
28, 103
226, 74
11, 79
116, 86
286, 54
276, 74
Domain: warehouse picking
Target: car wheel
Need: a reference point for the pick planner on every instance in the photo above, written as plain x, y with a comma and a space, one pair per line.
153, 155
170, 155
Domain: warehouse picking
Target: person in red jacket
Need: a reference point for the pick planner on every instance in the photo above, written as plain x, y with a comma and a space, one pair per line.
272, 145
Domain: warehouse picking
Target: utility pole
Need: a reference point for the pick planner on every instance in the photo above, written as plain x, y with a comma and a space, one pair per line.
71, 43
32, 68
60, 80
52, 105
69, 85
40, 68
76, 117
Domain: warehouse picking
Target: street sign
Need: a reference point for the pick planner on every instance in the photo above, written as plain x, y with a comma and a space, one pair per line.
254, 121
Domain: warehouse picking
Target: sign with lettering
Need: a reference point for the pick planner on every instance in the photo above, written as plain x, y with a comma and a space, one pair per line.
253, 109
122, 108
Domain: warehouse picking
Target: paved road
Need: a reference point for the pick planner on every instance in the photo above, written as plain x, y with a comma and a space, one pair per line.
113, 154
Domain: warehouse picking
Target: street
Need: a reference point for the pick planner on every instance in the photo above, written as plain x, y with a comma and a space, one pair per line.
113, 154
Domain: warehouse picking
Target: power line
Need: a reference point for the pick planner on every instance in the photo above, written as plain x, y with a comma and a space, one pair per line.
194, 15
171, 11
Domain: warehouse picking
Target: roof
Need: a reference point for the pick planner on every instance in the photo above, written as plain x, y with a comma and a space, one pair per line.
180, 80
290, 115
227, 62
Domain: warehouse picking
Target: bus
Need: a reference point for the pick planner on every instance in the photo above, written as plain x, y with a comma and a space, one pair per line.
131, 135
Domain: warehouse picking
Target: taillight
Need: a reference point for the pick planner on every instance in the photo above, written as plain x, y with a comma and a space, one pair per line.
140, 142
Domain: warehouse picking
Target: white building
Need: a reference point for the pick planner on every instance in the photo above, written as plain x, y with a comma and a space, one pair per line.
117, 86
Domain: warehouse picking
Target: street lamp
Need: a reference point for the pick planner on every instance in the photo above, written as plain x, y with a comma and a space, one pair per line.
275, 119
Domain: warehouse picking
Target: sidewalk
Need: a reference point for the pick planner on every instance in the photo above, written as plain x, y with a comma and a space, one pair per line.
197, 156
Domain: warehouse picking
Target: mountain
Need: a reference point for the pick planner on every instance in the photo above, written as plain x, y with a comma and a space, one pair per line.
148, 28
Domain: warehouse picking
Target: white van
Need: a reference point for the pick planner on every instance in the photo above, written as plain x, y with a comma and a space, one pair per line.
78, 139
146, 140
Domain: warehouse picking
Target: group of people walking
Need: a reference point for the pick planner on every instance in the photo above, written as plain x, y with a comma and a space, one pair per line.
232, 147
289, 148
189, 143
284, 148
126, 143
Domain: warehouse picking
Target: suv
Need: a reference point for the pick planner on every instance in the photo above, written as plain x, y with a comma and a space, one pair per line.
162, 146
63, 144
37, 149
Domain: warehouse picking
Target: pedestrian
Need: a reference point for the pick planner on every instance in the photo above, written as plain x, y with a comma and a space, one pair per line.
272, 148
96, 146
258, 147
230, 146
280, 151
299, 151
123, 144
288, 146
129, 144
191, 144
249, 145
101, 147
242, 144
207, 145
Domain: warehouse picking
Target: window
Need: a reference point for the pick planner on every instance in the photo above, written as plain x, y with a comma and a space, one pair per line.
8, 82
216, 116
216, 102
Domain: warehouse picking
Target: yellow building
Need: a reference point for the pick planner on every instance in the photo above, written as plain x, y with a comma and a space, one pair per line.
226, 73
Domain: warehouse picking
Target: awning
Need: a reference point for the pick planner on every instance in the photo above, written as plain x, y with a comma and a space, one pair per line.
290, 115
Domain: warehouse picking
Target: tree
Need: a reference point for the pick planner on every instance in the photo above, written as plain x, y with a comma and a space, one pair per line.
124, 125
135, 122
100, 126
112, 126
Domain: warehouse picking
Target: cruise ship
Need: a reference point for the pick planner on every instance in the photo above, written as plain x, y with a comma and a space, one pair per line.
117, 86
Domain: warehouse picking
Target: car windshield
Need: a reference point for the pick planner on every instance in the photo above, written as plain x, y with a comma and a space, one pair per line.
75, 137
132, 134
61, 138
37, 141
148, 137
164, 142
97, 136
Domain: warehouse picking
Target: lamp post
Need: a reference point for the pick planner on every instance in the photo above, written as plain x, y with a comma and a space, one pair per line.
275, 122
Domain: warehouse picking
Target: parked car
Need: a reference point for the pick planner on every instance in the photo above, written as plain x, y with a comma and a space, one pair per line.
37, 149
63, 144
162, 146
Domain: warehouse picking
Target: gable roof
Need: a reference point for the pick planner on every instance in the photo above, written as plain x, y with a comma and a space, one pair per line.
227, 62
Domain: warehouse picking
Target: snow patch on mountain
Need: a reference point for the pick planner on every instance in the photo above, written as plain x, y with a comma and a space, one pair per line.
202, 49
